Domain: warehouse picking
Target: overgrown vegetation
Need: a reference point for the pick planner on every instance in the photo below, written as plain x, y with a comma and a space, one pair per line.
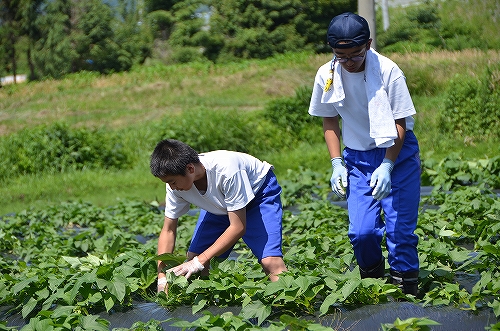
472, 104
440, 25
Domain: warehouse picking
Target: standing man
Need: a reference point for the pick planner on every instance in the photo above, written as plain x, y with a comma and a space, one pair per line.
378, 170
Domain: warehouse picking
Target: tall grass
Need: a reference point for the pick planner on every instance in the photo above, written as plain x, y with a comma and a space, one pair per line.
148, 93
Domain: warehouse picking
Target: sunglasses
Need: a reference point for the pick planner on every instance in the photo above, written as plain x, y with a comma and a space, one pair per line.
356, 58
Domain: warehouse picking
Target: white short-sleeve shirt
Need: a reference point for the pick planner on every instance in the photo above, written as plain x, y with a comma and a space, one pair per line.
233, 179
354, 110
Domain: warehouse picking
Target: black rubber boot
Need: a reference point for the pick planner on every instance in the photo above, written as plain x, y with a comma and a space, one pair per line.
407, 281
376, 271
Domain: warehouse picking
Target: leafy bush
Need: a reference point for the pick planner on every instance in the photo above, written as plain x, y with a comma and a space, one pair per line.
417, 29
58, 148
472, 105
450, 25
453, 171
290, 115
160, 23
206, 130
222, 131
186, 54
280, 125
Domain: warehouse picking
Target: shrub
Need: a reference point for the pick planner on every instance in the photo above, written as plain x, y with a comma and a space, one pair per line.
58, 148
290, 115
279, 126
206, 130
186, 54
472, 105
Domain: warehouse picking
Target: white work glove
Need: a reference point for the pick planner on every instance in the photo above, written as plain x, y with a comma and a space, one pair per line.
162, 284
338, 181
381, 179
187, 268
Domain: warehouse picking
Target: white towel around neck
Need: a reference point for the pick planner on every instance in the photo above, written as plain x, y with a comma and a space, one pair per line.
382, 125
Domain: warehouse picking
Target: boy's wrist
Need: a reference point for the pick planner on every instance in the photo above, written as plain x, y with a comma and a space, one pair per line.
389, 164
337, 161
198, 264
203, 258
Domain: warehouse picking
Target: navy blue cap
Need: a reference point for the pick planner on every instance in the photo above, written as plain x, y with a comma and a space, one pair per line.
351, 29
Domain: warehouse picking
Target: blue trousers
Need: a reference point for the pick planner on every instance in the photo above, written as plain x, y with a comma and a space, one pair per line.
263, 224
367, 226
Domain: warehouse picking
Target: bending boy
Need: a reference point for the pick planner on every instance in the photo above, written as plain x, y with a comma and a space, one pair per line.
239, 197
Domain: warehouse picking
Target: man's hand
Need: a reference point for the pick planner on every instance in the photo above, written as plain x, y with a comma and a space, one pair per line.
338, 181
187, 268
381, 180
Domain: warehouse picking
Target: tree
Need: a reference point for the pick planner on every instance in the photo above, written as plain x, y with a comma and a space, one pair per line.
55, 54
178, 28
154, 5
259, 29
10, 31
88, 35
29, 12
93, 37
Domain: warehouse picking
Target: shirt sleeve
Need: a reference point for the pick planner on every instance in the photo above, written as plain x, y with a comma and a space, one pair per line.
175, 206
400, 98
238, 191
316, 107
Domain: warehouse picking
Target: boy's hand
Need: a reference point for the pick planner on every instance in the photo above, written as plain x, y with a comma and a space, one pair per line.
381, 180
187, 268
338, 181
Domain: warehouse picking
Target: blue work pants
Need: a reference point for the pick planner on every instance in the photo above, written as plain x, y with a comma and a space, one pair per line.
395, 216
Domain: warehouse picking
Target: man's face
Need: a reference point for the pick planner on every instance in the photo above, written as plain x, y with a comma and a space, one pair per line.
352, 59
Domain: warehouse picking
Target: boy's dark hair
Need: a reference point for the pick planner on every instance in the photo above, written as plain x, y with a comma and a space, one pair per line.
170, 158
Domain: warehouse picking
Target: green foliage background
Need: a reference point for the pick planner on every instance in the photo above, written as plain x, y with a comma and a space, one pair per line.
53, 38
58, 148
446, 25
472, 104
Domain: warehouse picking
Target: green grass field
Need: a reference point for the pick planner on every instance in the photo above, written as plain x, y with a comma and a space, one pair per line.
130, 102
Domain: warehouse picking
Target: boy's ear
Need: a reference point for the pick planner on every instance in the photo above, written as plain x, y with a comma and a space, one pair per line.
190, 168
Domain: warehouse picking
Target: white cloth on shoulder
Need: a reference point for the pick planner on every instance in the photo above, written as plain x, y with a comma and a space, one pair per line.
382, 125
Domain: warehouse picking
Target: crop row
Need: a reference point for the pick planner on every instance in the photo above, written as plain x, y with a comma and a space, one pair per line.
64, 265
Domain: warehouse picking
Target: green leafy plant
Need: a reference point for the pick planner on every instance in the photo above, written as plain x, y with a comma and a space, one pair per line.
63, 265
228, 321
410, 324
